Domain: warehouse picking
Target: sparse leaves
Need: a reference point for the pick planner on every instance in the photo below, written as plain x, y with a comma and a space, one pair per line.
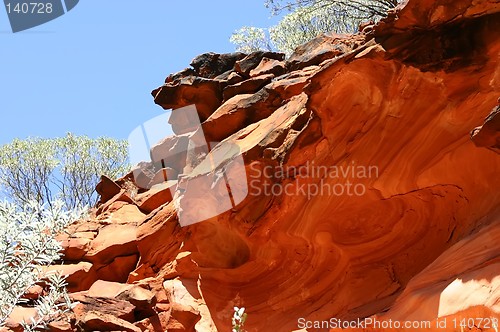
52, 305
306, 20
306, 23
67, 168
33, 173
27, 245
250, 39
365, 9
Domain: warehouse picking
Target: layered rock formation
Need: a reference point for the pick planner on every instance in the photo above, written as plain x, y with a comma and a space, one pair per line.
366, 196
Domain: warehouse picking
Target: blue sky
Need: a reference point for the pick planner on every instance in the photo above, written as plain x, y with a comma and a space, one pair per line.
91, 71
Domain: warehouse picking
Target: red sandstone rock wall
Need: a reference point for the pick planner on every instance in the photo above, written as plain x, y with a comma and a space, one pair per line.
420, 243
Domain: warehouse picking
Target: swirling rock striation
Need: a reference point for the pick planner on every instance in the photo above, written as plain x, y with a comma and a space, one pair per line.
366, 195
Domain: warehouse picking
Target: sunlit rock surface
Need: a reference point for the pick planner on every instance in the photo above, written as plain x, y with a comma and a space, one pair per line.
367, 197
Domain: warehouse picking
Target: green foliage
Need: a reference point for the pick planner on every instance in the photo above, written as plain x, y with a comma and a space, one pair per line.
306, 20
250, 39
67, 168
304, 24
239, 319
27, 246
354, 9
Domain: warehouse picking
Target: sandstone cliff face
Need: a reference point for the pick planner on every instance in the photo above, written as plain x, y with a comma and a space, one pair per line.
391, 110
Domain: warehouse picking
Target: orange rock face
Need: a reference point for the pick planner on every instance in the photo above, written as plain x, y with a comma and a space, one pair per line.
366, 201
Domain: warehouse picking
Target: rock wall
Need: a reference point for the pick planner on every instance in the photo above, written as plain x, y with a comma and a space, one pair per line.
391, 111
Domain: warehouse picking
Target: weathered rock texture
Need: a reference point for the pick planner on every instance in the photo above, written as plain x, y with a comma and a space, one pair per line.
420, 242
